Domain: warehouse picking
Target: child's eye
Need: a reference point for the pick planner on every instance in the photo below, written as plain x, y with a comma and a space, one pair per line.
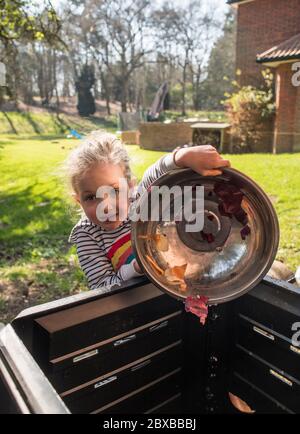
113, 192
90, 197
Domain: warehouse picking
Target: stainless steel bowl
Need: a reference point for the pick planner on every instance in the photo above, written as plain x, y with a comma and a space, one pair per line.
232, 253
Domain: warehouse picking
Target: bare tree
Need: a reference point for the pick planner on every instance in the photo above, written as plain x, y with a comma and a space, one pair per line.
186, 29
131, 47
21, 22
116, 30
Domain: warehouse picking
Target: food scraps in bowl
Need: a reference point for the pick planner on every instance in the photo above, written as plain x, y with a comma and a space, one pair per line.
155, 265
176, 275
161, 241
231, 205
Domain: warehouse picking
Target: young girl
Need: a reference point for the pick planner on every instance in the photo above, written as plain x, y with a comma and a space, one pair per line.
104, 247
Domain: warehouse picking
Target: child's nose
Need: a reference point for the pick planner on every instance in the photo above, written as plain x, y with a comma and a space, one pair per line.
109, 206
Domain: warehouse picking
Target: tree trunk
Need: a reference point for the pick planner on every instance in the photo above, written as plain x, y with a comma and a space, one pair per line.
55, 81
124, 82
196, 88
124, 95
106, 94
183, 112
107, 101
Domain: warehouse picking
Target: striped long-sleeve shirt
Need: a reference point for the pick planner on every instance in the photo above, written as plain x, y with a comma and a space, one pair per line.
106, 257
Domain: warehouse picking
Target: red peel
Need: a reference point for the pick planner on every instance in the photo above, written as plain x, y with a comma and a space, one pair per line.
208, 237
197, 306
231, 205
245, 231
241, 217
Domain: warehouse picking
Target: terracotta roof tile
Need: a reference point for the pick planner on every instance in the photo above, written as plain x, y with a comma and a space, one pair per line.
231, 2
287, 50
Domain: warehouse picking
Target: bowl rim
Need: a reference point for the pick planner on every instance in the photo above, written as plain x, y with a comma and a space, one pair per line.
273, 249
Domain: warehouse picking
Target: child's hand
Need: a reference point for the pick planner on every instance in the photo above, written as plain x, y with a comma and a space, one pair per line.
202, 159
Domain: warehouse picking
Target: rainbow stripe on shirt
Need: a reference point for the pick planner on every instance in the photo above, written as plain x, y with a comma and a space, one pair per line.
121, 252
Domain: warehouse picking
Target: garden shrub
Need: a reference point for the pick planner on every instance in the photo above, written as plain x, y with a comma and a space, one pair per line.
251, 113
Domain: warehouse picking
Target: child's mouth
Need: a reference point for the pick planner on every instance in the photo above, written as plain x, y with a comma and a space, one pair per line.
111, 218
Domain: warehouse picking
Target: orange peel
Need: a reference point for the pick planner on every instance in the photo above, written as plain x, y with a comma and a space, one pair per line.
239, 404
176, 275
154, 265
160, 240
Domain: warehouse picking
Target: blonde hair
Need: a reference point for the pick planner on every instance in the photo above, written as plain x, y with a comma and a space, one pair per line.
97, 147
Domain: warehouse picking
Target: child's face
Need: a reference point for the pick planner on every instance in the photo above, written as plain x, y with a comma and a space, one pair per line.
103, 175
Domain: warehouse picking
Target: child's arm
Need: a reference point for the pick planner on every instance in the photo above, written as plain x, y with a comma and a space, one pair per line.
202, 159
96, 266
164, 165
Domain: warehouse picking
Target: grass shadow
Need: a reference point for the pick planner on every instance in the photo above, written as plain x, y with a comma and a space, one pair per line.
109, 124
43, 137
11, 124
60, 123
31, 222
32, 122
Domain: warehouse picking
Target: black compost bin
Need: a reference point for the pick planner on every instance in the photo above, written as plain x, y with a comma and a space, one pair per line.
135, 350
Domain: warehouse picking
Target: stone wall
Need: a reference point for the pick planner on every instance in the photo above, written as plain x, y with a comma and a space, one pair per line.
130, 137
164, 137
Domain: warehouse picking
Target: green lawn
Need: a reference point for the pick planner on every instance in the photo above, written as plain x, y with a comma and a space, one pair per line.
49, 123
36, 262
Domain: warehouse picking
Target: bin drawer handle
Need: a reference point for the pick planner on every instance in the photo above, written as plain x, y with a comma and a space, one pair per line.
264, 333
125, 340
295, 349
158, 326
281, 377
141, 365
85, 356
102, 383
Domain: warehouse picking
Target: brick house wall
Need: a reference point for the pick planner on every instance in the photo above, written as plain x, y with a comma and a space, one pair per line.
287, 114
261, 25
296, 147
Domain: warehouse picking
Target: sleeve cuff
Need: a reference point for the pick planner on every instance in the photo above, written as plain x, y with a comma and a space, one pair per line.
128, 271
169, 162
